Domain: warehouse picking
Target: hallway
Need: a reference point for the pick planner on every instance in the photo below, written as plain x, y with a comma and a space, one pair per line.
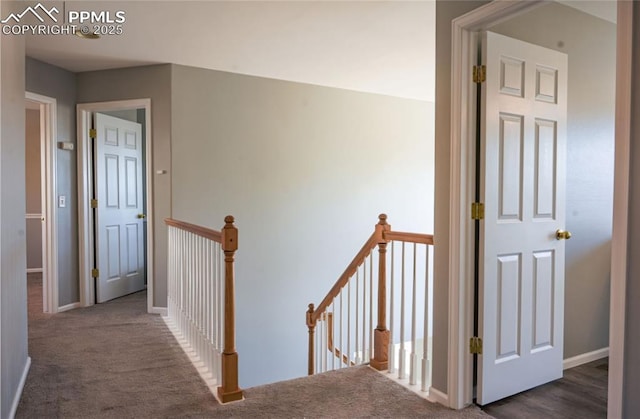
109, 360
114, 360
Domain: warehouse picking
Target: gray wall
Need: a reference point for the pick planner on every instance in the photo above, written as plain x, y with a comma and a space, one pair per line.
590, 43
631, 390
152, 82
51, 81
126, 114
305, 170
446, 11
32, 188
13, 286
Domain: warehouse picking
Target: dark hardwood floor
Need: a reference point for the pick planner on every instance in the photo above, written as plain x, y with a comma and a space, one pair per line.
580, 394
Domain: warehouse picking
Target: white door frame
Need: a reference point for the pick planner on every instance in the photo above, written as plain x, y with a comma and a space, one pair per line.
463, 52
85, 188
48, 136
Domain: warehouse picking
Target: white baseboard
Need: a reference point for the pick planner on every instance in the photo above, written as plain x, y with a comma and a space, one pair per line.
585, 358
68, 307
206, 375
436, 396
159, 310
18, 395
404, 382
34, 270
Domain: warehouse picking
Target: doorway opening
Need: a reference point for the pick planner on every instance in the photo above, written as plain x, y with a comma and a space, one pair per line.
461, 263
40, 175
114, 174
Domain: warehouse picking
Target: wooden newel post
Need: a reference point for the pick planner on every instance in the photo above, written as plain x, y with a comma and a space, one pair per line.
229, 390
311, 324
380, 360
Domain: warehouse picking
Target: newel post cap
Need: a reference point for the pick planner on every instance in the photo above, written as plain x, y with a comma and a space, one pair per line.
310, 321
229, 235
381, 227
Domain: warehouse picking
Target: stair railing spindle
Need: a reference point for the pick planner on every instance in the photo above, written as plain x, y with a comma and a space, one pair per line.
413, 363
392, 352
401, 355
357, 317
426, 370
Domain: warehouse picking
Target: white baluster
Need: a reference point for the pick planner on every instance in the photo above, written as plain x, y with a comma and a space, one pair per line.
318, 346
333, 335
210, 307
413, 363
325, 346
203, 301
341, 320
198, 296
189, 281
204, 327
426, 368
364, 313
219, 309
357, 314
169, 269
214, 298
402, 355
370, 329
348, 354
392, 352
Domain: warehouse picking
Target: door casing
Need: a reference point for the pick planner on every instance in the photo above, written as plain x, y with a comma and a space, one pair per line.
85, 188
462, 181
48, 135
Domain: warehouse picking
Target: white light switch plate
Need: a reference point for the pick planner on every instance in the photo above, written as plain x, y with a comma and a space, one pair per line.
62, 201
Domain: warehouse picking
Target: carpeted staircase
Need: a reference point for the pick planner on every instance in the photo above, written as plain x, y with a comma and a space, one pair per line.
116, 361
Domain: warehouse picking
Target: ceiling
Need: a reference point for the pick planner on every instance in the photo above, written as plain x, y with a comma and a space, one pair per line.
372, 46
604, 9
381, 47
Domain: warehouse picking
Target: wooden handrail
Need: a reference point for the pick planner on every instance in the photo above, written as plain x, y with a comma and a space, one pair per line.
344, 278
408, 237
313, 315
228, 238
380, 237
207, 233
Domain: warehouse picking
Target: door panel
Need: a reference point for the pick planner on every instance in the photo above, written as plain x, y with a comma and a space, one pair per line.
543, 300
521, 276
133, 244
119, 231
545, 169
510, 167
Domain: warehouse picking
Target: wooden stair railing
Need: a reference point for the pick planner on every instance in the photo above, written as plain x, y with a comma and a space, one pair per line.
313, 314
201, 300
352, 282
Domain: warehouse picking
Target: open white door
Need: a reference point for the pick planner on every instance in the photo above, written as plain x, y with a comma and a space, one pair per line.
119, 214
522, 185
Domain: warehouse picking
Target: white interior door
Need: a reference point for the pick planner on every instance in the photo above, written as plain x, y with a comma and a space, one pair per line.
521, 276
120, 213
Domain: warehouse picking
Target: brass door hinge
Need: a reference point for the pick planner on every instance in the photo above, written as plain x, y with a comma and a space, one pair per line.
93, 133
479, 73
95, 273
477, 211
475, 345
94, 203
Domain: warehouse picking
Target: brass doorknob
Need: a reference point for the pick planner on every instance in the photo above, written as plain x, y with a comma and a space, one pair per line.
563, 235
142, 216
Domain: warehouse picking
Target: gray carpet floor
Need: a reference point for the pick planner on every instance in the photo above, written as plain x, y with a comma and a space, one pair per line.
114, 360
